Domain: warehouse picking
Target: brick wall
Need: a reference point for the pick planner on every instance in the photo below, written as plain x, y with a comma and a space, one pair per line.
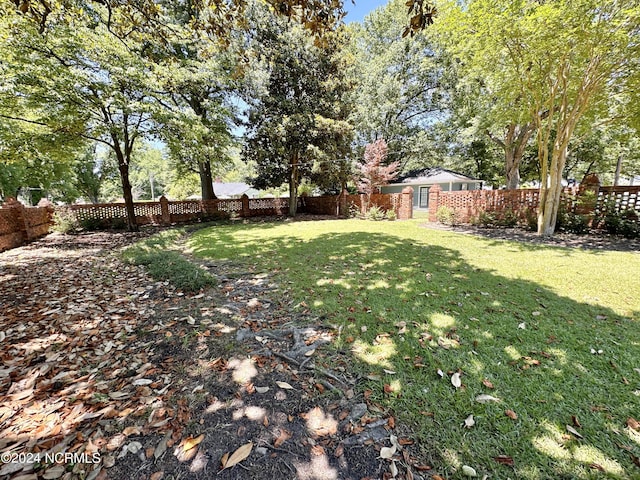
20, 224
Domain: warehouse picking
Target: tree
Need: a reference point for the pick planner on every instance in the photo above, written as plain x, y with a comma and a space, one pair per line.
554, 64
90, 83
373, 173
196, 87
297, 117
401, 88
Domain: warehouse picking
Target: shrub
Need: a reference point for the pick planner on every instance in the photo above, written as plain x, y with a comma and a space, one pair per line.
64, 221
354, 211
574, 223
530, 220
448, 216
160, 256
375, 213
391, 215
623, 223
93, 224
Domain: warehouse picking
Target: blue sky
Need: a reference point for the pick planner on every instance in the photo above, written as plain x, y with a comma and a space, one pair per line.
358, 11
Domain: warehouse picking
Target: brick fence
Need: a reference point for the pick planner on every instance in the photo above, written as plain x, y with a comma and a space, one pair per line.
589, 199
20, 224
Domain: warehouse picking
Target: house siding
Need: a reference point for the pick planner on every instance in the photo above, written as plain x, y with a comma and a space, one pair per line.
446, 187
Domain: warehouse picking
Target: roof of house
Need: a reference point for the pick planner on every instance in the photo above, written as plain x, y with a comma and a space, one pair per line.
230, 189
433, 175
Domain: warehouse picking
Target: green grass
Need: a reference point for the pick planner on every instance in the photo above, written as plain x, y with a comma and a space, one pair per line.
160, 255
365, 278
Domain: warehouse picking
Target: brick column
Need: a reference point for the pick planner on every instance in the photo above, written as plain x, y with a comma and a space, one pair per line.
17, 222
245, 206
405, 212
164, 208
588, 195
434, 200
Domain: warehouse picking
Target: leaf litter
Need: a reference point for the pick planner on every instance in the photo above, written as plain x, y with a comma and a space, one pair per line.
100, 367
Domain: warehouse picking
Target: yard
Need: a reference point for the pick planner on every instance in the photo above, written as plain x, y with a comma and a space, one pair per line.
318, 350
550, 334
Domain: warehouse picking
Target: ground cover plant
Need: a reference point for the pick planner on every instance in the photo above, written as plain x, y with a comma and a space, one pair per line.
514, 360
160, 254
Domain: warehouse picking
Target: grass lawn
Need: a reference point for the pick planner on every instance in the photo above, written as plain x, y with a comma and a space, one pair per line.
522, 323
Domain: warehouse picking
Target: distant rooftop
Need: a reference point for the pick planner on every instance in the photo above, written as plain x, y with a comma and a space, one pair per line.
434, 175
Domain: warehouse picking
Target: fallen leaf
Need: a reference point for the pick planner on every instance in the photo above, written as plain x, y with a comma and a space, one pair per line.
318, 451
157, 475
469, 471
54, 472
511, 414
393, 469
283, 437
440, 373
575, 421
262, 389
142, 382
388, 452
469, 422
425, 468
595, 466
504, 460
191, 442
573, 431
284, 385
633, 424
239, 455
339, 451
487, 384
455, 380
389, 372
486, 399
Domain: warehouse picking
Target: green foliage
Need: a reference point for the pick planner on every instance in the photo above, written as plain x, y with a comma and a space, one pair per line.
625, 223
162, 259
375, 213
401, 88
298, 117
65, 221
447, 215
572, 222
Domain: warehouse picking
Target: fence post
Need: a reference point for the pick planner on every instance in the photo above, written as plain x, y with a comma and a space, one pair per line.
434, 199
164, 208
406, 204
245, 206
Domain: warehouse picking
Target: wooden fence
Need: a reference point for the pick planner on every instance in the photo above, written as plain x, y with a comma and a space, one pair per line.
20, 224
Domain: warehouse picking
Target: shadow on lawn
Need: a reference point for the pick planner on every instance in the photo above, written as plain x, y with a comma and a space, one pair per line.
403, 310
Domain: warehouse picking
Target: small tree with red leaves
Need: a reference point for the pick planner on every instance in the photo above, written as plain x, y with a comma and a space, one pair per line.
373, 174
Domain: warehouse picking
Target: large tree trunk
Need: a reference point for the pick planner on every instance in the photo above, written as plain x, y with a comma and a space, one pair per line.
514, 144
616, 178
206, 181
512, 169
293, 186
123, 168
551, 193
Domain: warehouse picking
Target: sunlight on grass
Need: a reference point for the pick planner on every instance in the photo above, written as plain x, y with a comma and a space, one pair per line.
375, 354
416, 301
